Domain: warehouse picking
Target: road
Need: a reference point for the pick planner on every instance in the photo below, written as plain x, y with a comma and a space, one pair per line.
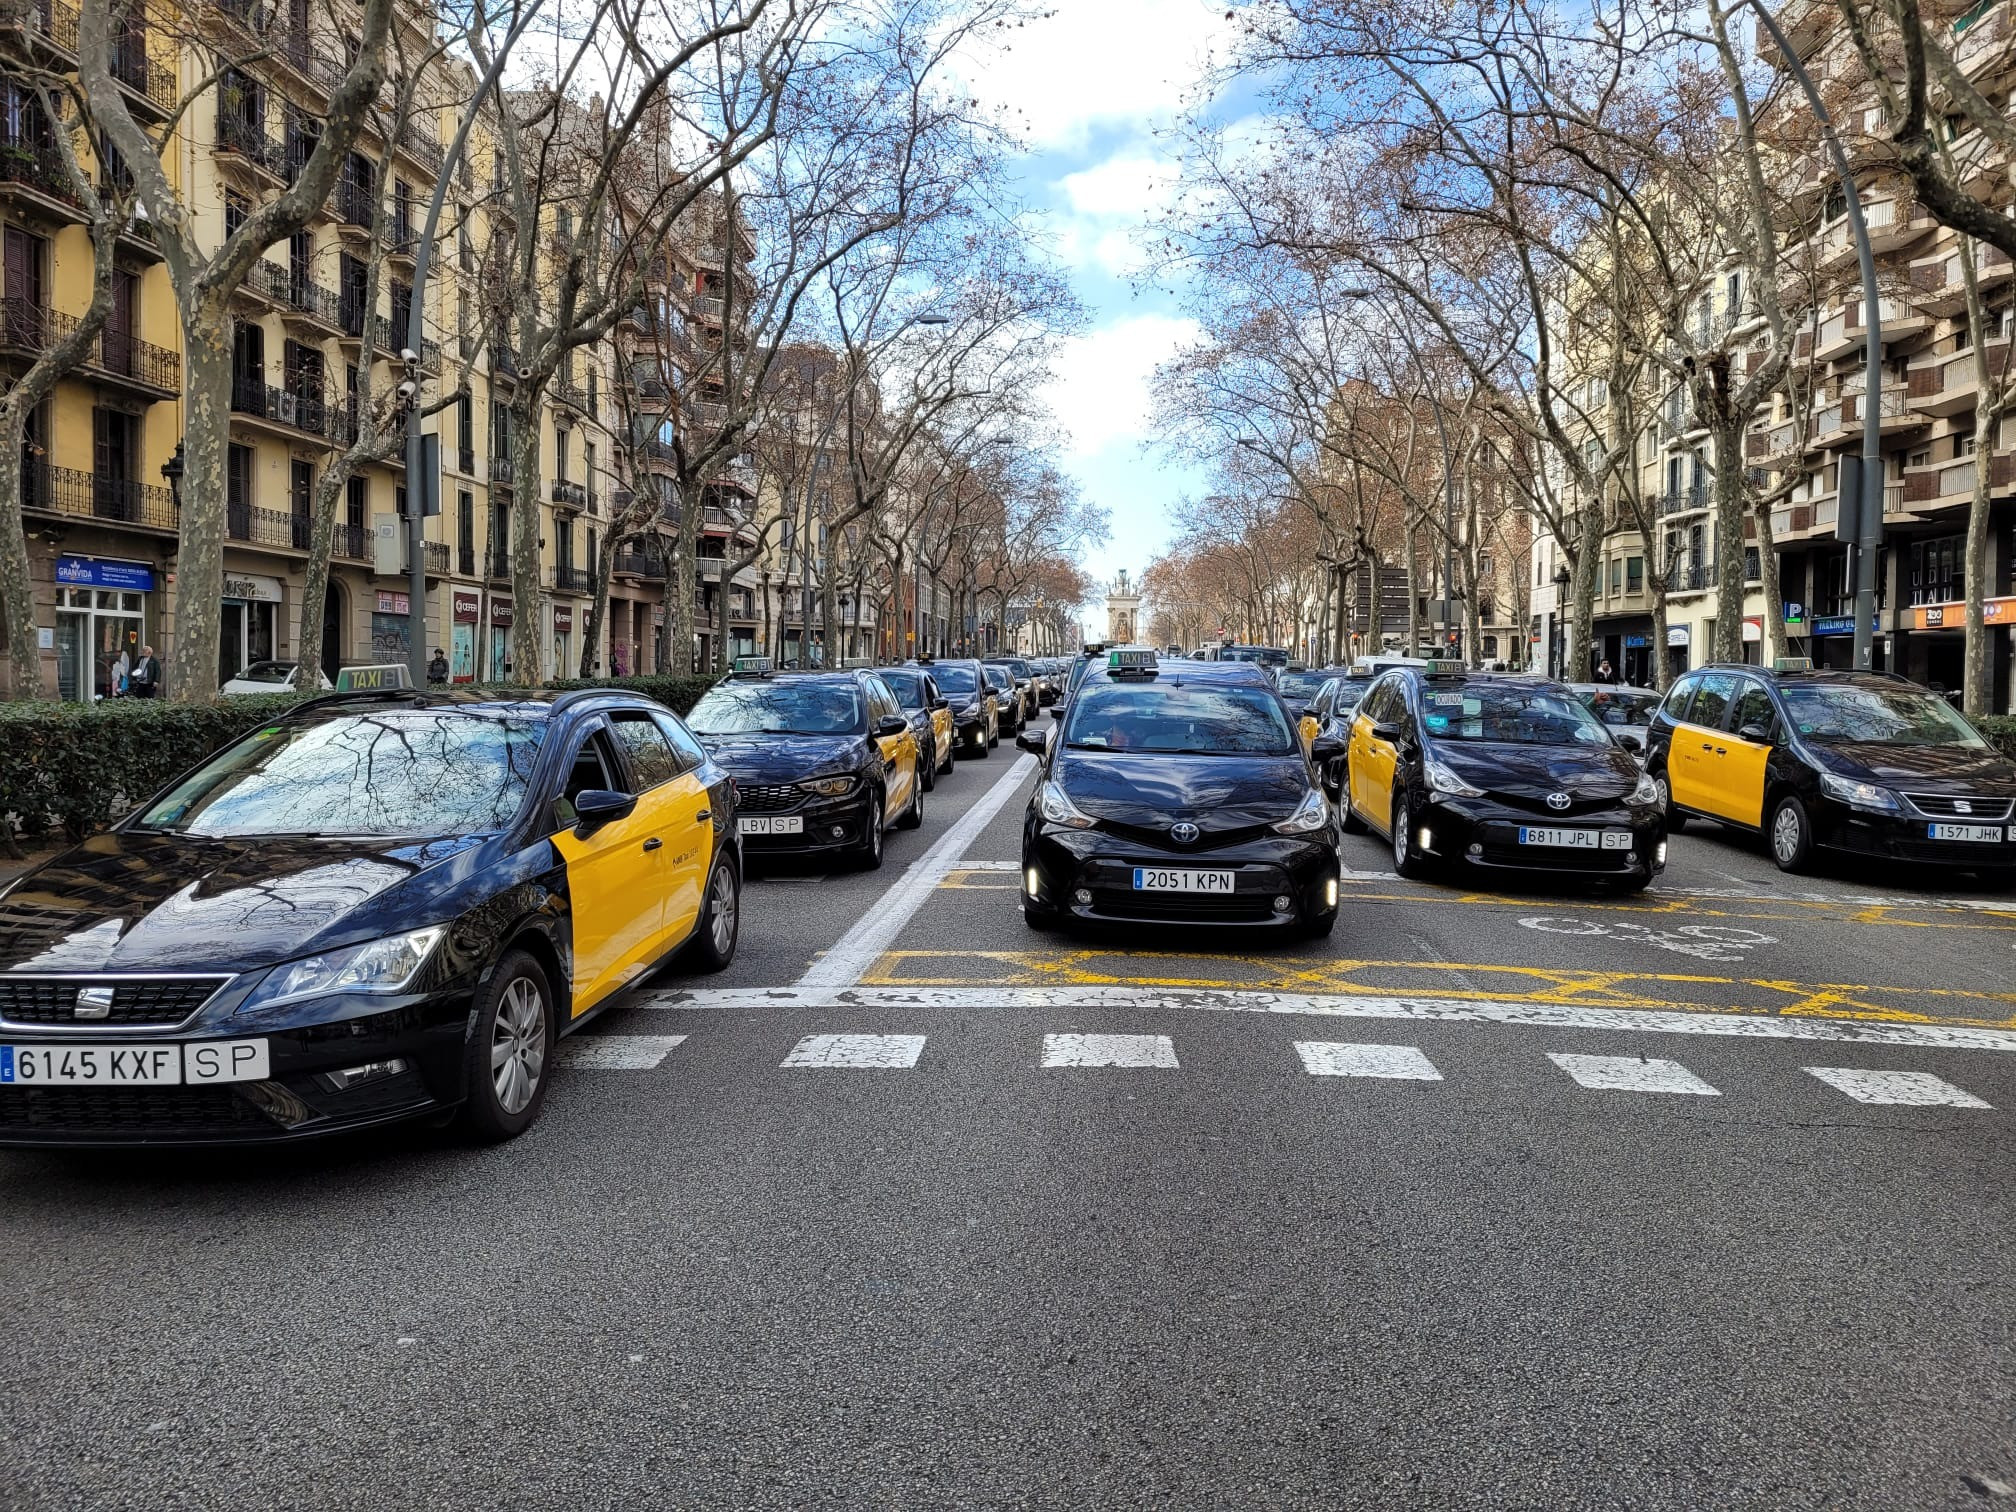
1694, 1199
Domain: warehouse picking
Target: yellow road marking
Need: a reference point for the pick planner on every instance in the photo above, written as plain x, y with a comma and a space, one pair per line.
1788, 910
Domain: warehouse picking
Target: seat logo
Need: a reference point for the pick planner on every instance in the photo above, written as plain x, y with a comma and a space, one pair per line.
1962, 806
1185, 833
1558, 801
93, 1003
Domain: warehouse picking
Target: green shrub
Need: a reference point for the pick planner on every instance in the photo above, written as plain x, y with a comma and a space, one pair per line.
2000, 730
77, 767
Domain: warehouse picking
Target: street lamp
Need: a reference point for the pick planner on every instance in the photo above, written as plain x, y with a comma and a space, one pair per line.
1556, 640
171, 474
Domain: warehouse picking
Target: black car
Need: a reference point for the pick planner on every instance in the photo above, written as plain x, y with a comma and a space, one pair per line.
1026, 687
1177, 796
1329, 714
1484, 771
1626, 710
1010, 706
821, 760
1862, 762
930, 716
377, 907
976, 711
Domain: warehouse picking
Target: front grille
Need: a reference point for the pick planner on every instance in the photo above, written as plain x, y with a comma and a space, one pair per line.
1157, 838
1119, 902
128, 1110
135, 1000
1945, 806
1537, 803
770, 797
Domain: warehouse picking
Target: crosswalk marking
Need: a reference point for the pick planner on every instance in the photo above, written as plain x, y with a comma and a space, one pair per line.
1905, 1089
881, 1052
1402, 1062
1628, 1073
617, 1052
1151, 1051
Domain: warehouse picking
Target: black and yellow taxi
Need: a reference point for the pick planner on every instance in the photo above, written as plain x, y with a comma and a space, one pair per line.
1862, 762
930, 716
376, 907
1176, 795
976, 710
823, 761
1329, 713
1488, 771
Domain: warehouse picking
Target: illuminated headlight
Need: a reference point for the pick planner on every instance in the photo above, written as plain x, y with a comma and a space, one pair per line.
1647, 790
1312, 813
1057, 808
1861, 795
387, 965
1443, 779
1330, 893
831, 787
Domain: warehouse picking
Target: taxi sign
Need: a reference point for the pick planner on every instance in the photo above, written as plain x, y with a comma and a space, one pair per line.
373, 678
1139, 660
1443, 667
855, 663
753, 666
1792, 664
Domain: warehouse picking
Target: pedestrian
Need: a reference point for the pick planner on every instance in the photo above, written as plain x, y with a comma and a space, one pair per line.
115, 676
437, 669
618, 663
1605, 673
143, 678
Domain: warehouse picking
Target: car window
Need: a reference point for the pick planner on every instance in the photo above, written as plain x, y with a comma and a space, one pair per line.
691, 752
1753, 707
955, 677
908, 687
1892, 714
1678, 699
594, 766
652, 759
1178, 719
1711, 702
1508, 713
1326, 697
760, 707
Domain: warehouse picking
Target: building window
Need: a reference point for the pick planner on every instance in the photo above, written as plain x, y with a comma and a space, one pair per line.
1634, 574
1939, 570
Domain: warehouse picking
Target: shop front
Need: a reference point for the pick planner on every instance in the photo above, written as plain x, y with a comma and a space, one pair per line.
1679, 650
499, 666
391, 627
1933, 645
248, 627
1625, 641
462, 637
563, 641
102, 613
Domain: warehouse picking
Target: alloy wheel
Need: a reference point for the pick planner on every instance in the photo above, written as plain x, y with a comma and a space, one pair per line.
1785, 834
1400, 820
723, 907
518, 1045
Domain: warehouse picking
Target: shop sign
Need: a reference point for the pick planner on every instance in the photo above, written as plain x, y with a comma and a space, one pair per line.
247, 585
1753, 629
1995, 611
1678, 635
1795, 613
1630, 641
1834, 624
394, 603
87, 572
657, 614
500, 612
563, 620
465, 608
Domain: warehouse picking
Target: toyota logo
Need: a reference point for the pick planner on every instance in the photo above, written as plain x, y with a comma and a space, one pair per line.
1558, 801
1185, 833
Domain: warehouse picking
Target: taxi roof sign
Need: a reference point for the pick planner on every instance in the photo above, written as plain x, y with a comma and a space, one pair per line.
1792, 664
1443, 666
1138, 661
753, 666
373, 678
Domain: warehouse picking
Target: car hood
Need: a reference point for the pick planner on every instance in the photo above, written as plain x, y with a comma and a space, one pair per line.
135, 901
1534, 771
1927, 769
781, 758
1216, 793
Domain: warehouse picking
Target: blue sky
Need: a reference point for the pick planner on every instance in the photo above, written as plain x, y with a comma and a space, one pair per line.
1088, 87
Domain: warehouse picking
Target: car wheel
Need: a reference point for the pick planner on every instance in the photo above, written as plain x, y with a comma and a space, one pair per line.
913, 816
1791, 835
720, 923
1320, 926
927, 771
1407, 861
505, 1067
1675, 820
1353, 825
868, 854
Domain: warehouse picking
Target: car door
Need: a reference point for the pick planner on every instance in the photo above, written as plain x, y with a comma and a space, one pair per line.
1699, 744
615, 874
899, 752
1742, 759
941, 719
669, 788
1373, 757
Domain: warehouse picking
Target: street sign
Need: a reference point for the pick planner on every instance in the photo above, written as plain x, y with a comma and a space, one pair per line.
1848, 509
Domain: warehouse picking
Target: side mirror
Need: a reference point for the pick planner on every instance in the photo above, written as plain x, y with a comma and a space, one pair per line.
595, 807
941, 703
1386, 731
890, 724
1035, 742
1326, 749
1756, 734
1057, 711
1631, 741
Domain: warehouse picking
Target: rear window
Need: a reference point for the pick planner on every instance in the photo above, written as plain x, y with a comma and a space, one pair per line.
907, 686
779, 708
1507, 714
1173, 719
954, 678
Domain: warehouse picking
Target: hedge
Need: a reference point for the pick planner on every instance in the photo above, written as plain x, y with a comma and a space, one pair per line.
2000, 730
77, 767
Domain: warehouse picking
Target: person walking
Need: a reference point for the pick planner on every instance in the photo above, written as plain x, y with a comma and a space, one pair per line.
143, 678
437, 669
1605, 673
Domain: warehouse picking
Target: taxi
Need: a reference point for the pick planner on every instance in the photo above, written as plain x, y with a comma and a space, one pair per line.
1330, 713
930, 716
1300, 687
1462, 769
1862, 762
1176, 795
976, 713
378, 907
821, 760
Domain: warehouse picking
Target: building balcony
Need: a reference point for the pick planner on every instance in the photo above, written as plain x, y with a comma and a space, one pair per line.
568, 496
497, 564
503, 471
149, 81
707, 307
639, 565
1687, 501
292, 413
245, 149
421, 141
503, 362
52, 29
353, 204
297, 295
567, 579
1843, 330
465, 561
709, 414
1948, 385
435, 555
1688, 577
267, 527
115, 360
33, 172
80, 495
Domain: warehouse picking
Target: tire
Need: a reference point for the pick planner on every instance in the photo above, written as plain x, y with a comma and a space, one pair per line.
927, 772
868, 853
1790, 835
1353, 825
1319, 927
1675, 820
1635, 884
951, 753
1407, 861
913, 816
719, 927
514, 1020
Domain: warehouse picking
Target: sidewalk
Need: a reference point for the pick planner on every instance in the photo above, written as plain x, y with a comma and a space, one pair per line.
31, 857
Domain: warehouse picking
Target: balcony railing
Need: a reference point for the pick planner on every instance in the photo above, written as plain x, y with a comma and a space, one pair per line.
707, 306
35, 165
502, 469
55, 21
353, 543
569, 495
1684, 501
570, 579
499, 562
640, 564
237, 135
91, 496
35, 328
710, 412
266, 527
465, 560
305, 411
422, 142
146, 76
354, 201
298, 292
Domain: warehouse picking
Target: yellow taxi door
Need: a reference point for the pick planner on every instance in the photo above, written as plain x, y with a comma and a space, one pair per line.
899, 752
615, 878
668, 785
941, 730
1740, 761
1372, 760
1692, 765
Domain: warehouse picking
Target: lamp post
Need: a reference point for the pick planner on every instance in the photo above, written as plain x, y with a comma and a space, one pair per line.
1562, 578
171, 474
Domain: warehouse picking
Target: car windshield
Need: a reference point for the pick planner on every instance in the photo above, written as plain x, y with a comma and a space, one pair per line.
1019, 668
401, 772
907, 686
1837, 713
1622, 709
1301, 685
997, 677
954, 678
1167, 717
1509, 714
268, 672
778, 708
1349, 691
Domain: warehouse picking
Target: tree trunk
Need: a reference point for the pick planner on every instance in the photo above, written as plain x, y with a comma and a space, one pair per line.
598, 605
525, 660
1729, 580
191, 673
1659, 658
329, 489
1774, 597
17, 592
1413, 597
1586, 565
1977, 682
682, 583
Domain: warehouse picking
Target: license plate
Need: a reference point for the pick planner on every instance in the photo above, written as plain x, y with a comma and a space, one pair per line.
1577, 839
1990, 834
1160, 879
134, 1065
791, 826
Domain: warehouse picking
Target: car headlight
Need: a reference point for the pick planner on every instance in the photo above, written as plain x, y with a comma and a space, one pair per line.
387, 965
1312, 813
1053, 804
1861, 795
1443, 779
1647, 790
831, 787
968, 710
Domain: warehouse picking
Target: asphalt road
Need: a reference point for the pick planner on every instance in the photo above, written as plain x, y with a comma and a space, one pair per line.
1566, 1220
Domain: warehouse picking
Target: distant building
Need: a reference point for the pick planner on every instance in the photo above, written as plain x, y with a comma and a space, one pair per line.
1123, 609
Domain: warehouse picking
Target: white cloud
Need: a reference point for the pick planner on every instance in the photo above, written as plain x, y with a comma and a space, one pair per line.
1131, 184
1100, 382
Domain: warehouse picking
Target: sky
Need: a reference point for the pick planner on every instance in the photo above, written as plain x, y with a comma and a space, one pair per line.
1088, 87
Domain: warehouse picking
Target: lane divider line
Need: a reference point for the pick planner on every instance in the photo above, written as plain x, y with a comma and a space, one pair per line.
876, 930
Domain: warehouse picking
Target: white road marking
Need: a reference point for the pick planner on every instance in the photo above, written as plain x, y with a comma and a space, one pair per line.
878, 1052
989, 866
1141, 1051
1707, 942
1350, 874
876, 930
617, 1052
1627, 1073
1401, 1062
1904, 1089
1323, 1005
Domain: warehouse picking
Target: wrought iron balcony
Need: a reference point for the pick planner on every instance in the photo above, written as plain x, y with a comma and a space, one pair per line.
95, 496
